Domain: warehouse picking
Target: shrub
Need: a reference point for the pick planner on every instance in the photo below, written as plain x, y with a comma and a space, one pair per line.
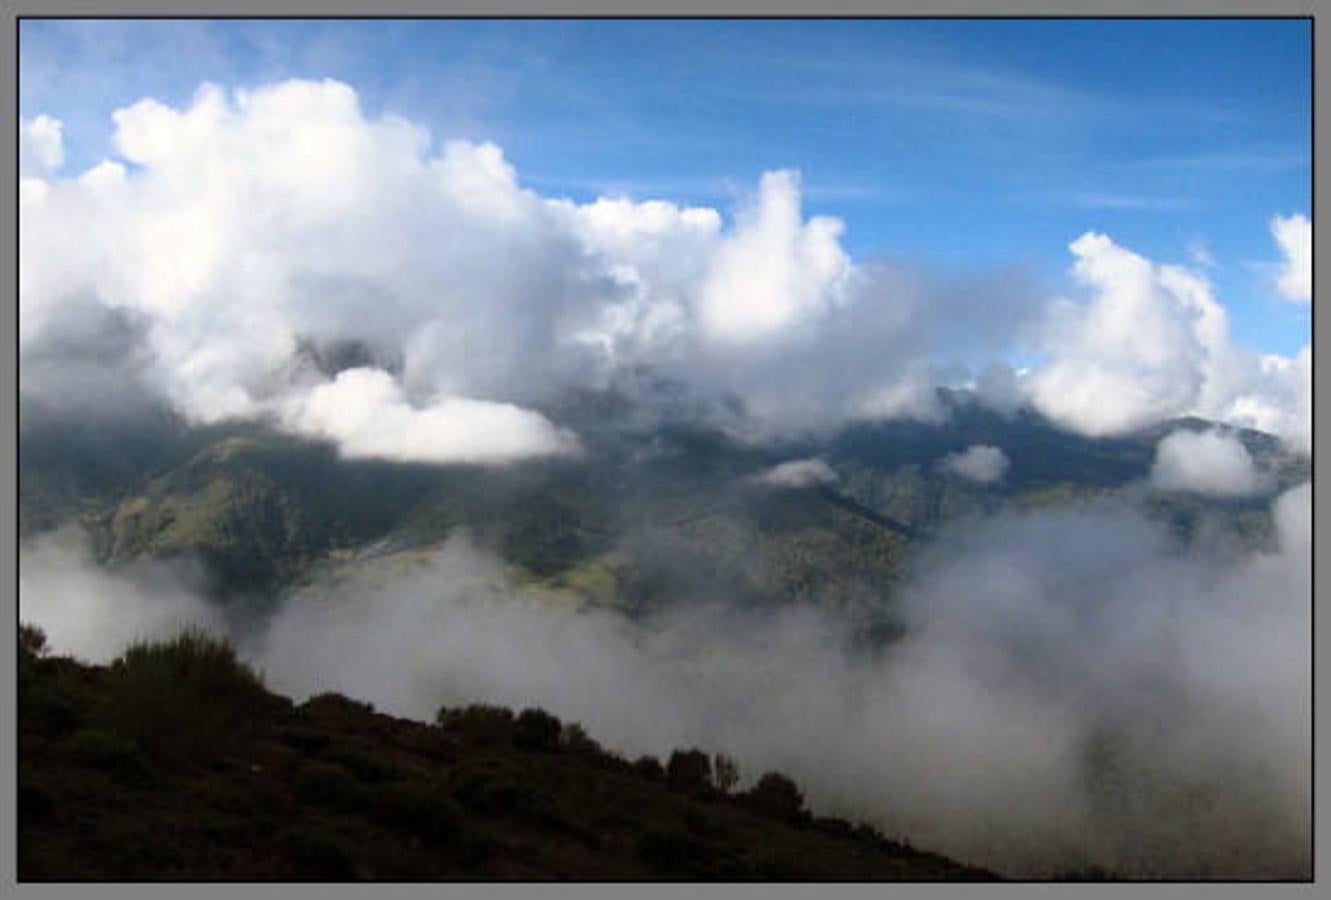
725, 773
1094, 873
185, 699
33, 801
536, 729
480, 723
670, 851
839, 827
321, 855
777, 797
505, 787
109, 752
333, 705
31, 646
492, 786
649, 767
689, 771
422, 808
306, 741
776, 866
696, 820
574, 738
45, 704
868, 833
365, 766
328, 785
31, 639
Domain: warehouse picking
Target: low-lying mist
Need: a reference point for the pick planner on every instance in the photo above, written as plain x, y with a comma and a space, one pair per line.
1075, 690
93, 613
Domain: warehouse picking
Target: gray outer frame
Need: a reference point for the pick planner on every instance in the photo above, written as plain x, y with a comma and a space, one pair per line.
583, 9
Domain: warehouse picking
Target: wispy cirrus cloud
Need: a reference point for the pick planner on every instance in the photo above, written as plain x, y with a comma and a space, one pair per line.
1139, 202
1112, 201
716, 188
921, 78
1251, 161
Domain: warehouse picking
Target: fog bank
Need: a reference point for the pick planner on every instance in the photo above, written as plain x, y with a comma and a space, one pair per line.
1074, 689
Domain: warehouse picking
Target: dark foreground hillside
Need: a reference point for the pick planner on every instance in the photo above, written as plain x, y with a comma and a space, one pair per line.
174, 763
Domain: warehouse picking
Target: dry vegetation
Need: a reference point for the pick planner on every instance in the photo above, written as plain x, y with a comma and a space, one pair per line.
174, 763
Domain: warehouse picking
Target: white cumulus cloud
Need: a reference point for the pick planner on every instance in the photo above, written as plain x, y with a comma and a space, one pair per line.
364, 411
1152, 343
41, 146
259, 222
241, 229
978, 462
1294, 234
775, 270
1209, 462
799, 473
1141, 349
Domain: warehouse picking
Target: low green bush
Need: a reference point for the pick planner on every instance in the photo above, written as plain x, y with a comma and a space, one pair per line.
480, 724
504, 785
331, 704
536, 729
574, 738
365, 766
422, 808
671, 852
184, 700
108, 752
776, 797
306, 741
33, 801
689, 772
649, 767
329, 785
45, 704
490, 786
31, 639
31, 645
725, 773
321, 856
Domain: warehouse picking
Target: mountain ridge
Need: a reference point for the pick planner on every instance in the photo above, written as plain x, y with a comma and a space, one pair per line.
262, 509
124, 775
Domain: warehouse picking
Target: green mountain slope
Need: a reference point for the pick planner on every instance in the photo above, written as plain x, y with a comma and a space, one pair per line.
651, 513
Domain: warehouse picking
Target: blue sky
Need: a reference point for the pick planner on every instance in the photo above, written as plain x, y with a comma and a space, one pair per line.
963, 144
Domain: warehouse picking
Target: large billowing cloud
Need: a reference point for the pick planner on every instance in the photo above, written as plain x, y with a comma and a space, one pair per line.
1294, 234
1278, 398
244, 231
41, 147
244, 243
775, 271
1139, 352
1153, 343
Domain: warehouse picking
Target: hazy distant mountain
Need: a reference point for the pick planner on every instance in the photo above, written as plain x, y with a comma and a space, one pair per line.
656, 508
667, 508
